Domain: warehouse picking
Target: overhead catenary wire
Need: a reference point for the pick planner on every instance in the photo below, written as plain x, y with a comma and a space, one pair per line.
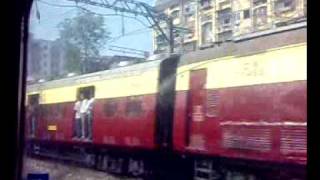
134, 32
90, 11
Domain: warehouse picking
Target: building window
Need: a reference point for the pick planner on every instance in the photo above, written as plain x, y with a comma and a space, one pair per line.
224, 17
260, 16
205, 4
237, 18
246, 14
134, 107
110, 108
284, 5
226, 21
206, 33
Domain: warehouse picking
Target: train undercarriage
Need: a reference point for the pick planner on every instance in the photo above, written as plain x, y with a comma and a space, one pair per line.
164, 165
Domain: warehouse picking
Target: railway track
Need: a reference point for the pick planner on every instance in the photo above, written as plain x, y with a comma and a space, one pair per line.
58, 170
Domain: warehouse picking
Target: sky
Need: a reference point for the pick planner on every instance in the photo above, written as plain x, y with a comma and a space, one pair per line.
52, 12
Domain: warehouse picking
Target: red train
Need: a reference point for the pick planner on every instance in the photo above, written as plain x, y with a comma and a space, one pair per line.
237, 110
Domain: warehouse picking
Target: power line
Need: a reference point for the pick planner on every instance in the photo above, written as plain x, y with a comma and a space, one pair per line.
135, 32
114, 14
138, 9
89, 11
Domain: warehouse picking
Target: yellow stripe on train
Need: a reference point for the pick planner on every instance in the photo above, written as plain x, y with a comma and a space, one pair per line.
283, 64
146, 83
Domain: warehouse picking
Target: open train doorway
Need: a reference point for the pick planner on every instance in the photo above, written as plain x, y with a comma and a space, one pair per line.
32, 114
84, 116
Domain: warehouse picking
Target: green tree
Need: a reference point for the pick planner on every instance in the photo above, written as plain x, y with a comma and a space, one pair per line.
84, 36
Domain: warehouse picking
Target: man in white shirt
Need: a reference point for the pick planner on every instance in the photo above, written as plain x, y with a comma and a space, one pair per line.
89, 117
83, 114
77, 120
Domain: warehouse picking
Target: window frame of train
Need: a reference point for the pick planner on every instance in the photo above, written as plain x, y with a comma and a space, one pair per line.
57, 111
131, 110
112, 104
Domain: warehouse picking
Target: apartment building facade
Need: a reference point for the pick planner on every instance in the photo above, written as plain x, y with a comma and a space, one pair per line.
46, 59
215, 21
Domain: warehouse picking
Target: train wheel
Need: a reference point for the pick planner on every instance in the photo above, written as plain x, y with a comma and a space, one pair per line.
136, 167
90, 160
115, 165
206, 170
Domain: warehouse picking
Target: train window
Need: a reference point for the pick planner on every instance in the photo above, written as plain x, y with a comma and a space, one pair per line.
58, 111
134, 107
44, 111
110, 108
212, 103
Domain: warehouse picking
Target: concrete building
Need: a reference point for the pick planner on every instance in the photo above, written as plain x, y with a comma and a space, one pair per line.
216, 21
46, 59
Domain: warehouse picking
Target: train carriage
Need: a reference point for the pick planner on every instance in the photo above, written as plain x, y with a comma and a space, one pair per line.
247, 103
241, 104
122, 96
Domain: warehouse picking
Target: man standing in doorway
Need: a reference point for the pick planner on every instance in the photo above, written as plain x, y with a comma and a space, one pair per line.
77, 120
83, 114
90, 116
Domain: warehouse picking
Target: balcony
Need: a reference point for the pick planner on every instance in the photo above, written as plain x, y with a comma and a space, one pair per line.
282, 6
224, 28
223, 4
205, 18
259, 2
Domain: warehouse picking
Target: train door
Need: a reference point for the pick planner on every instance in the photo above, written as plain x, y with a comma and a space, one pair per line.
33, 114
84, 129
196, 110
